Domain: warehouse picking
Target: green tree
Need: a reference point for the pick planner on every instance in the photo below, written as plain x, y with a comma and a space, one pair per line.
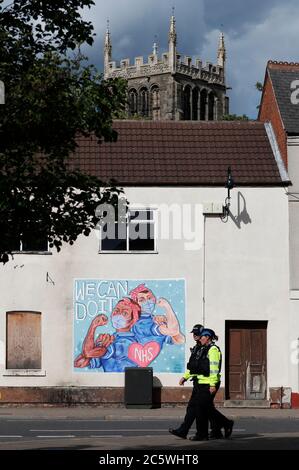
235, 117
51, 99
259, 87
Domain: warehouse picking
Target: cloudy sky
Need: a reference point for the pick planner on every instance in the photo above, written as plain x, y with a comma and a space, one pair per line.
255, 32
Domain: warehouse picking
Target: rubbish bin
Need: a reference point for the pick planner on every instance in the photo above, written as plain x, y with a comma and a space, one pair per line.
138, 387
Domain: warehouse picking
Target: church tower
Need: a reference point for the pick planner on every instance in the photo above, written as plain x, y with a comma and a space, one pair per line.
168, 88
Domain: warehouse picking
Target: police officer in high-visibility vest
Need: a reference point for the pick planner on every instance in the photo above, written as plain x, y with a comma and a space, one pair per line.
204, 370
208, 382
190, 416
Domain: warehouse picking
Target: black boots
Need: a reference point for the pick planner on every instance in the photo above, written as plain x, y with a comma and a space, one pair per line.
177, 432
228, 429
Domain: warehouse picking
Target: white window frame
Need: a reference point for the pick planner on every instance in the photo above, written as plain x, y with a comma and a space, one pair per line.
154, 222
31, 252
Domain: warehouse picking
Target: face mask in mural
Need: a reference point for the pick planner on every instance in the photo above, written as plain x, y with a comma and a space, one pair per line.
118, 321
148, 307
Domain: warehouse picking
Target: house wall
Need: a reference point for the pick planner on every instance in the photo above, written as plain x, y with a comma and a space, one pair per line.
244, 276
293, 159
293, 163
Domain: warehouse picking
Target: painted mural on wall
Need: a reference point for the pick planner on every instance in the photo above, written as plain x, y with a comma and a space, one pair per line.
129, 323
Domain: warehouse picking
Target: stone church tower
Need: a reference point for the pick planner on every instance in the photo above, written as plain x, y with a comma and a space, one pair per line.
168, 88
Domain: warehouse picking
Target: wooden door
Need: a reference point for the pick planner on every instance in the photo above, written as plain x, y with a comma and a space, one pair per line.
246, 360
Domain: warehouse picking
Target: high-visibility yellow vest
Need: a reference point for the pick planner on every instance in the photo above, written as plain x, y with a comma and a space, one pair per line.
215, 358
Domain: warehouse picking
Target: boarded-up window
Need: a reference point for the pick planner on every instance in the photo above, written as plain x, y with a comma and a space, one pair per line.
23, 340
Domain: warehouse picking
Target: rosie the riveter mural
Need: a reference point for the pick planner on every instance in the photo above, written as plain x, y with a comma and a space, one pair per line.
126, 323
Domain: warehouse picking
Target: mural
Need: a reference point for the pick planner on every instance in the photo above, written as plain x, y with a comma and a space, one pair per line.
128, 323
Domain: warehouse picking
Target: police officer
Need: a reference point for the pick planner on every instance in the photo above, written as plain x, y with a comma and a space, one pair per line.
207, 384
190, 416
204, 370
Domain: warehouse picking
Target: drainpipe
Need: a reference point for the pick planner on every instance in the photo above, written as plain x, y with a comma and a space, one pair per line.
204, 272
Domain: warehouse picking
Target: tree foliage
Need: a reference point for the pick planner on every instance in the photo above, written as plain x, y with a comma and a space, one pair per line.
235, 117
259, 87
51, 98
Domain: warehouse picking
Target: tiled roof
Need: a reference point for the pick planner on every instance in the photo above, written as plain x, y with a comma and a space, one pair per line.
282, 74
181, 153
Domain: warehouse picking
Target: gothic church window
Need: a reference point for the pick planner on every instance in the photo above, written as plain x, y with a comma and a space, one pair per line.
195, 97
187, 103
132, 102
143, 102
226, 105
211, 107
155, 101
203, 103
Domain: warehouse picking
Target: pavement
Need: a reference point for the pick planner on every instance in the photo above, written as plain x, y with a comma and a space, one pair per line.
122, 413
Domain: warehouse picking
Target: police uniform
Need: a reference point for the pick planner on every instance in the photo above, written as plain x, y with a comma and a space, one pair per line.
204, 370
208, 375
191, 411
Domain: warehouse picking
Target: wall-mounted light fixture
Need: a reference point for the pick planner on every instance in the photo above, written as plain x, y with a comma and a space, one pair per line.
229, 184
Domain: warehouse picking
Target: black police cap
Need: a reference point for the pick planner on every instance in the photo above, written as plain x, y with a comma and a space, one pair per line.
197, 329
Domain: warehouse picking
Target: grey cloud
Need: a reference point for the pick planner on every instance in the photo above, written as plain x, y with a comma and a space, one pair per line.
142, 25
255, 32
237, 15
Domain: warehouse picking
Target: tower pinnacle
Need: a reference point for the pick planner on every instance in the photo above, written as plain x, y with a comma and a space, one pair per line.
172, 31
221, 51
172, 41
155, 46
107, 50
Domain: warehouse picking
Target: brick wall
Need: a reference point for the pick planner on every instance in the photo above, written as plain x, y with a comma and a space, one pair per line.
269, 111
102, 396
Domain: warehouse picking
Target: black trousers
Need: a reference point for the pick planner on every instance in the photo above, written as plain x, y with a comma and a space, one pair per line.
191, 411
201, 407
207, 412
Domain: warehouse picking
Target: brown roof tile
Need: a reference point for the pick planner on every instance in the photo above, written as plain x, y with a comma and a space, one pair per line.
181, 153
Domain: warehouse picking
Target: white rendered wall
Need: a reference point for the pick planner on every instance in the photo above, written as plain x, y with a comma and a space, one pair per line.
246, 272
293, 170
